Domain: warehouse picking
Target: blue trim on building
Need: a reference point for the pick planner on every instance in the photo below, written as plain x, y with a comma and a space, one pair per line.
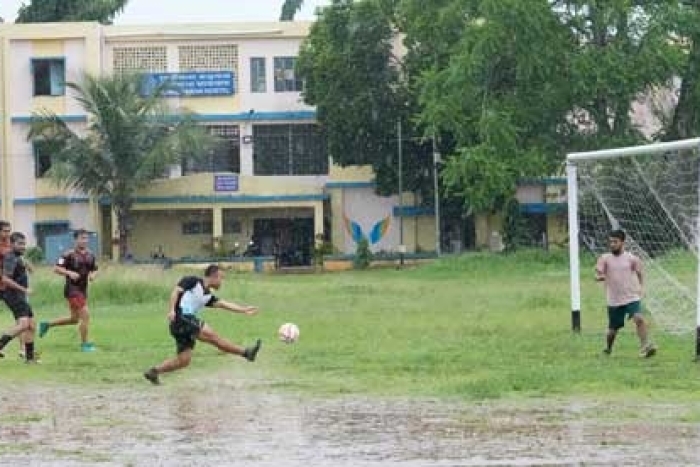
65, 118
543, 208
223, 199
350, 184
543, 181
413, 211
53, 222
237, 117
255, 116
49, 200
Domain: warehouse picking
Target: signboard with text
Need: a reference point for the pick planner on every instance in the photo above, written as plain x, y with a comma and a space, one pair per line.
193, 84
226, 183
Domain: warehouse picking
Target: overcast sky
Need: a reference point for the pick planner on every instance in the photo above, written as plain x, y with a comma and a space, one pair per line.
183, 11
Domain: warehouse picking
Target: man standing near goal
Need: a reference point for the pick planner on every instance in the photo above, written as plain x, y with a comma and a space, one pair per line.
187, 299
622, 273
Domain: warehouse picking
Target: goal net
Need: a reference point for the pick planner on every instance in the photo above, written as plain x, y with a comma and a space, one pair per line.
650, 192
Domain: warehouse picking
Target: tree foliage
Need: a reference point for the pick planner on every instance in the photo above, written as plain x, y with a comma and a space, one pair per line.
50, 11
290, 8
353, 77
129, 141
507, 87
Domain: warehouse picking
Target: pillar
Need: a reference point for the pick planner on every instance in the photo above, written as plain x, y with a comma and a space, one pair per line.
217, 229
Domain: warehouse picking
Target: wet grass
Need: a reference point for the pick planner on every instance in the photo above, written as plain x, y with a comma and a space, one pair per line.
474, 327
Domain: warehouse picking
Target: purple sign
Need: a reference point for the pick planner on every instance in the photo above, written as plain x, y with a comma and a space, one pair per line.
226, 182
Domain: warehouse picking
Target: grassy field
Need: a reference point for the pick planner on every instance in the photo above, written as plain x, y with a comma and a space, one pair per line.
474, 327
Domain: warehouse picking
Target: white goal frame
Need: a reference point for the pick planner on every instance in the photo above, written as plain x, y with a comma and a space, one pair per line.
572, 194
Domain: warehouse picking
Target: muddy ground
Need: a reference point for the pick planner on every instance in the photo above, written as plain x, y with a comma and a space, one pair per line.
216, 422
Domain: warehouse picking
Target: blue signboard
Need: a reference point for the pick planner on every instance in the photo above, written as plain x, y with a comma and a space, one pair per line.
193, 84
226, 182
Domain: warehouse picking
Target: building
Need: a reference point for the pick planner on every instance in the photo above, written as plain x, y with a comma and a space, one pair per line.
272, 183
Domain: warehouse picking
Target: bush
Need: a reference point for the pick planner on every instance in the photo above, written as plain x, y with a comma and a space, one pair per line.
363, 255
35, 254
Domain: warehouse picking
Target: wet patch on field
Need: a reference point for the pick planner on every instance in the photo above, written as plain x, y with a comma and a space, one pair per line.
243, 423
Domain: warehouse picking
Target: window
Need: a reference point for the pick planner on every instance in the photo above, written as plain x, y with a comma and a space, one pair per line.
289, 150
147, 58
286, 79
258, 78
225, 157
197, 228
42, 158
49, 76
232, 226
221, 57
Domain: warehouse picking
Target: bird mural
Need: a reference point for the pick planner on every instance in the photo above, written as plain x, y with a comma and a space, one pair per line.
373, 236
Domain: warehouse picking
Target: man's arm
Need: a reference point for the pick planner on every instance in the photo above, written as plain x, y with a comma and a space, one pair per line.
8, 267
639, 270
173, 301
93, 270
60, 268
235, 307
600, 270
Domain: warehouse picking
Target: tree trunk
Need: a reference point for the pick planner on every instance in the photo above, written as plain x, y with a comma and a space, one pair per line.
123, 215
685, 116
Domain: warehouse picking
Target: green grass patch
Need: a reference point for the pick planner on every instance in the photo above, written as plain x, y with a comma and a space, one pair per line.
475, 327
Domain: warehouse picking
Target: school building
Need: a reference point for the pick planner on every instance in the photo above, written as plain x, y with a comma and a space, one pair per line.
273, 183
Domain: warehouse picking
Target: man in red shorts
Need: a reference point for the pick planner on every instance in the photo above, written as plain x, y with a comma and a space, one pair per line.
79, 267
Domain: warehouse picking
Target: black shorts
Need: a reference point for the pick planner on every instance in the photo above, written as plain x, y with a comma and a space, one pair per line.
19, 306
185, 330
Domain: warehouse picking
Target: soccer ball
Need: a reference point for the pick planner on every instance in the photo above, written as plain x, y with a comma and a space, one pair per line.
288, 333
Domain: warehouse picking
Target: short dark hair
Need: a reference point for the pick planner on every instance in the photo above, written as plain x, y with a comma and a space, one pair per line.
618, 233
79, 232
4, 224
211, 270
17, 236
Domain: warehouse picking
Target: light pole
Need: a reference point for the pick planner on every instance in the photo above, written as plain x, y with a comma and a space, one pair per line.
402, 247
436, 161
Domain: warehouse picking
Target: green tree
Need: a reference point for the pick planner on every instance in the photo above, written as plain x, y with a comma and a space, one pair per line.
354, 78
290, 8
129, 141
49, 11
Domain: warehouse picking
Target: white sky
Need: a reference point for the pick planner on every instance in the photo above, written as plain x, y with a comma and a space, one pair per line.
190, 11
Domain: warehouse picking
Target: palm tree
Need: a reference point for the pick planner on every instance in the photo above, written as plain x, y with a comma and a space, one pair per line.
130, 140
290, 8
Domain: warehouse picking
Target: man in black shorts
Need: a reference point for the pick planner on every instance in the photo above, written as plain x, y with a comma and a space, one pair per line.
188, 298
16, 282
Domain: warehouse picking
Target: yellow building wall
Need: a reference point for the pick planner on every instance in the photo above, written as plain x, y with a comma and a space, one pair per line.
164, 229
557, 229
51, 212
425, 233
212, 105
485, 225
203, 184
355, 173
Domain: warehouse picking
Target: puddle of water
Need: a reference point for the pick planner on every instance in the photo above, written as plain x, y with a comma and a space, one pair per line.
238, 424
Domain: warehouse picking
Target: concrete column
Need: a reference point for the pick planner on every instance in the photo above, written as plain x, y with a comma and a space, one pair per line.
217, 228
318, 219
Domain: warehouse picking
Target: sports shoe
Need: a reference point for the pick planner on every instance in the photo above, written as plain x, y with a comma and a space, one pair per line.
251, 352
43, 328
152, 376
647, 351
21, 354
607, 351
87, 347
34, 361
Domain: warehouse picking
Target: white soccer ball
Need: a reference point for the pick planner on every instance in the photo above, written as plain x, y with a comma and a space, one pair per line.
288, 333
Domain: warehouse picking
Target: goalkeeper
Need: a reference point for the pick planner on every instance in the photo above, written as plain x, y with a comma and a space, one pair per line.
622, 273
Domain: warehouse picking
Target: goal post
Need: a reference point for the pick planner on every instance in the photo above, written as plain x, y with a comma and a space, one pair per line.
652, 192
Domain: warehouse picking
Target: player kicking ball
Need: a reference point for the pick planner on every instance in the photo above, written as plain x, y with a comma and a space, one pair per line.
188, 298
622, 273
